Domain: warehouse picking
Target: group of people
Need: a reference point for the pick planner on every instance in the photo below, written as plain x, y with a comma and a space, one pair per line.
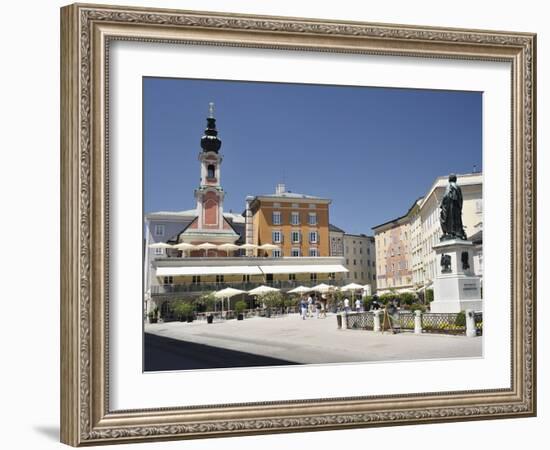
314, 305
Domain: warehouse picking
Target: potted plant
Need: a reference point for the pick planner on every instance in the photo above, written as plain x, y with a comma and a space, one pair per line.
153, 316
240, 306
184, 311
209, 301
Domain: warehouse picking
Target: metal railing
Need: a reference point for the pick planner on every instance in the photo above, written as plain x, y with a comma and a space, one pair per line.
448, 323
359, 321
443, 323
167, 289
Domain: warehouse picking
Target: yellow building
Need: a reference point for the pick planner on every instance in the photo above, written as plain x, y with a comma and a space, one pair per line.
297, 223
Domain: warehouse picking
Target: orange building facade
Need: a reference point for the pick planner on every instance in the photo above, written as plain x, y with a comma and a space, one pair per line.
297, 223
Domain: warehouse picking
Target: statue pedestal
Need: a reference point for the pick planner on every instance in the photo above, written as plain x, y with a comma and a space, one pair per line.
456, 288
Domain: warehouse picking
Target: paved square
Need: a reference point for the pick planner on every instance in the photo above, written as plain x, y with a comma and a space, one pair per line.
312, 341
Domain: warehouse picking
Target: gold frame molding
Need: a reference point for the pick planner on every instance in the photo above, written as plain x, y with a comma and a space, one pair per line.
86, 31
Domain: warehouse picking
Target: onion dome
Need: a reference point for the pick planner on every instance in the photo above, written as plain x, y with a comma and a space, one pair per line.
210, 141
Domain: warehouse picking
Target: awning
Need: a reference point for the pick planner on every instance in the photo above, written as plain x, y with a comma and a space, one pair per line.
208, 270
321, 268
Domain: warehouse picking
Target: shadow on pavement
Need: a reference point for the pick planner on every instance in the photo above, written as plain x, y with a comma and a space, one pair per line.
162, 353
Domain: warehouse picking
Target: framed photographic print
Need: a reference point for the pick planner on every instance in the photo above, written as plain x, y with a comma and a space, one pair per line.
277, 224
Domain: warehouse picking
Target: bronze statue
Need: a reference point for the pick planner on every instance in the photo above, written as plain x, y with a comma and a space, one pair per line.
450, 216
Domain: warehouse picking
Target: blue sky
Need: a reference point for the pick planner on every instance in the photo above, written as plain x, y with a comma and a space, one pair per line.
373, 151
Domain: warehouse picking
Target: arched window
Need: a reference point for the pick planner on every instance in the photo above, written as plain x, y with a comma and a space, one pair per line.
211, 169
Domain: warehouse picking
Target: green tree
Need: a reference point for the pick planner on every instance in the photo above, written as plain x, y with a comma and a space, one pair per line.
208, 300
183, 309
407, 298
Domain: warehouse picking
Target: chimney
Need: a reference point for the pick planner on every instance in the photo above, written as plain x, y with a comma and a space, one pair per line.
280, 189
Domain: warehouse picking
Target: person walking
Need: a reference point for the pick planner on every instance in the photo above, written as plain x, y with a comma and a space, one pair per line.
358, 305
303, 308
310, 306
317, 307
323, 306
346, 305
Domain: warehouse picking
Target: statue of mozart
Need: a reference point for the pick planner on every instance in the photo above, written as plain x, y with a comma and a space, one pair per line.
450, 215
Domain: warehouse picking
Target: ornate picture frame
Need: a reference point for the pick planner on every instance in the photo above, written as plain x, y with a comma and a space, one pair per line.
86, 34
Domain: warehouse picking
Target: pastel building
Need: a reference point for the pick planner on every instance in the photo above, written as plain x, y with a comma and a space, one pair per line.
360, 259
393, 254
295, 226
405, 256
297, 223
359, 255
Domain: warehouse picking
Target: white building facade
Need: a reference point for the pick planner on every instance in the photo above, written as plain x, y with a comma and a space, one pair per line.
405, 256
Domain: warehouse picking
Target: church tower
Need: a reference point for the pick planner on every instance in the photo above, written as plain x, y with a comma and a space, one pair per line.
210, 194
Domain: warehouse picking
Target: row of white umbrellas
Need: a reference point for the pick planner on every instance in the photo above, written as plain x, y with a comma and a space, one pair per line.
209, 246
231, 292
261, 290
323, 288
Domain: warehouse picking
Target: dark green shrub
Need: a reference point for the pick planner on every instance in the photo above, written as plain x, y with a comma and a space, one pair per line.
460, 320
429, 295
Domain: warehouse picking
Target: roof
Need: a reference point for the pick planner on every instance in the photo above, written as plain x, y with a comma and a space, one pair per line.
191, 214
332, 227
289, 194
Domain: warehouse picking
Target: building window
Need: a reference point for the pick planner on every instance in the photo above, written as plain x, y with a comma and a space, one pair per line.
159, 251
313, 276
211, 171
276, 253
313, 252
295, 237
355, 275
159, 230
361, 250
313, 237
295, 218
354, 262
312, 218
291, 277
169, 279
246, 278
295, 252
276, 217
276, 237
219, 278
347, 262
196, 279
312, 206
362, 275
295, 205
